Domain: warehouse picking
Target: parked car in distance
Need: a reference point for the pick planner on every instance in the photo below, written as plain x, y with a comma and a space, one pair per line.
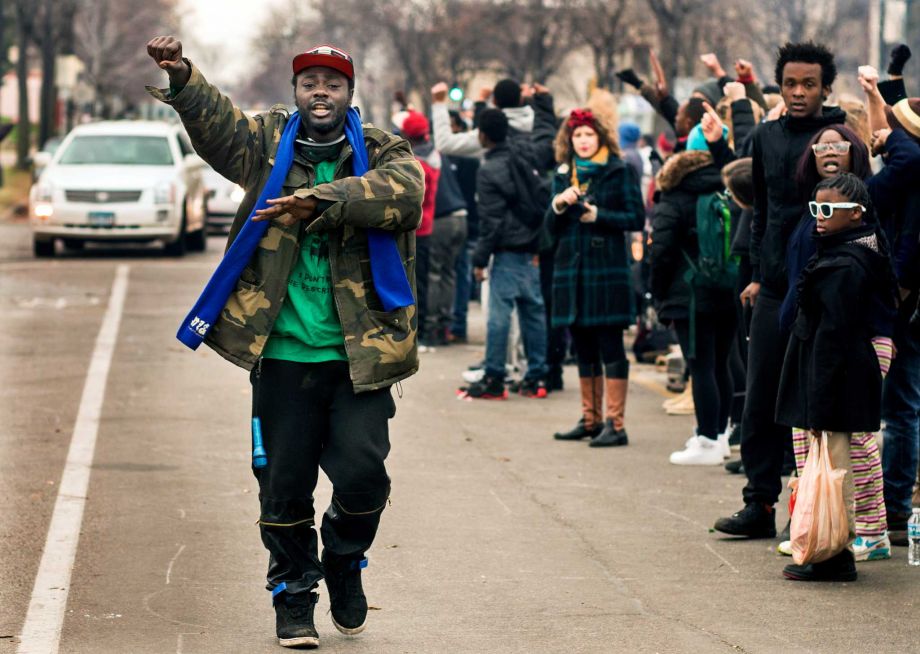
223, 199
120, 181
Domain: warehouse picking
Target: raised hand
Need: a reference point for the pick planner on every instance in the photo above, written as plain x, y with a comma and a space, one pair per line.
711, 124
485, 93
868, 79
661, 82
711, 61
744, 69
734, 91
439, 92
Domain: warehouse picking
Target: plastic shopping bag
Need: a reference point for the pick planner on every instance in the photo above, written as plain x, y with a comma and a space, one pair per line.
819, 523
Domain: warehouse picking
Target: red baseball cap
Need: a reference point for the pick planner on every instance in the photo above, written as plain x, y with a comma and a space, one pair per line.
415, 126
328, 56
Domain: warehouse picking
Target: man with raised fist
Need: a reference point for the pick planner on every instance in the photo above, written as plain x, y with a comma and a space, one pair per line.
323, 313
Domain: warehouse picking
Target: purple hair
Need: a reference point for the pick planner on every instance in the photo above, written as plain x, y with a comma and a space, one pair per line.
806, 172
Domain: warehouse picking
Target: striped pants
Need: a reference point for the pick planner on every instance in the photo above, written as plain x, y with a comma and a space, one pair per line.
869, 492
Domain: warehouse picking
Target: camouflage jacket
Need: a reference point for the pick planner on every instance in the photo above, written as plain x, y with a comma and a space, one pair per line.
381, 346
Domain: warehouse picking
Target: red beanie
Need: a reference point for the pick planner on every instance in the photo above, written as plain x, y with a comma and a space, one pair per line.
415, 126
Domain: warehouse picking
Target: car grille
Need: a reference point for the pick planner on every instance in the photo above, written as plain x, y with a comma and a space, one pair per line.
101, 197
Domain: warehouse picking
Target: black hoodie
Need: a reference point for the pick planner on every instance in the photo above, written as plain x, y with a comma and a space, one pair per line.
776, 149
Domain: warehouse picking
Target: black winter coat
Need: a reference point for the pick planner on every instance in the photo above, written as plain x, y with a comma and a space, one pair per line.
683, 178
831, 379
776, 148
591, 277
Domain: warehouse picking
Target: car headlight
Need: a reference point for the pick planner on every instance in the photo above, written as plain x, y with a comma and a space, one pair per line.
164, 193
237, 194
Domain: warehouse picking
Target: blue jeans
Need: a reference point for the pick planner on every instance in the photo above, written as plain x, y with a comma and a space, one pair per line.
901, 413
462, 290
514, 281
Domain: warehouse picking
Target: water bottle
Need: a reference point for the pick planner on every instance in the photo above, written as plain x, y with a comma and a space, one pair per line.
913, 538
259, 457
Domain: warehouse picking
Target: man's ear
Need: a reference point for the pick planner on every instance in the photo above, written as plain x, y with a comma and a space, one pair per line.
826, 91
351, 94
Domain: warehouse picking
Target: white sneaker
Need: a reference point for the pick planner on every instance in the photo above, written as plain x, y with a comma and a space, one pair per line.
872, 548
473, 376
699, 451
722, 440
784, 548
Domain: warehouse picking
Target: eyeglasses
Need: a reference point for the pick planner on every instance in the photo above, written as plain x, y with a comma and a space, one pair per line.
837, 147
826, 209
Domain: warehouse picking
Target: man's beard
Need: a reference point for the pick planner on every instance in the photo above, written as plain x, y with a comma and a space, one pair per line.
331, 123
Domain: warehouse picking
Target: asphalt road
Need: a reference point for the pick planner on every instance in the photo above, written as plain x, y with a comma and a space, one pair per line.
498, 538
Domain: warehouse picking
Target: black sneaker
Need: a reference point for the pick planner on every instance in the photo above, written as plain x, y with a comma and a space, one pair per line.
579, 432
535, 388
840, 567
294, 620
487, 388
734, 438
346, 595
736, 467
897, 528
755, 520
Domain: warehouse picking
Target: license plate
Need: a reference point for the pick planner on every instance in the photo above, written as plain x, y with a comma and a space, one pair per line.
101, 218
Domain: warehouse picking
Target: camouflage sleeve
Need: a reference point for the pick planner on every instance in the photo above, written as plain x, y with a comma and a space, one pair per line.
389, 196
230, 141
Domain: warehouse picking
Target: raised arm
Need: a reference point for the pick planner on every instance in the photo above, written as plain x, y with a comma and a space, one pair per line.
231, 142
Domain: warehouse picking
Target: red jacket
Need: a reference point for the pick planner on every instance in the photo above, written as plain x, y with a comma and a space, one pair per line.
431, 164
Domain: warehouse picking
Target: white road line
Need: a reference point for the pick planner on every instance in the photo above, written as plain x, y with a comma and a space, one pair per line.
172, 562
41, 633
722, 559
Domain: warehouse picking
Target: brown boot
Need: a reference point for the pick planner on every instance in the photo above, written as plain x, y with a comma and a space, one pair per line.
614, 431
592, 391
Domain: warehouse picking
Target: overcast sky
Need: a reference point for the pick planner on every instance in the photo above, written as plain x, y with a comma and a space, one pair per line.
226, 26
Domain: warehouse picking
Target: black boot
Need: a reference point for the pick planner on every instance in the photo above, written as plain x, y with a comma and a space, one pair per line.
294, 620
346, 595
579, 432
755, 520
840, 567
610, 436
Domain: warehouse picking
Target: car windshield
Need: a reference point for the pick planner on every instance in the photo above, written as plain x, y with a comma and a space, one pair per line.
118, 150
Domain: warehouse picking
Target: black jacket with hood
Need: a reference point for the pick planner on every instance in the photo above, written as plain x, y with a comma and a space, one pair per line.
776, 149
683, 178
831, 380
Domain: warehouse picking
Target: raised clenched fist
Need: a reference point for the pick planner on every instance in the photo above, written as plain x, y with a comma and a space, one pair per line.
167, 52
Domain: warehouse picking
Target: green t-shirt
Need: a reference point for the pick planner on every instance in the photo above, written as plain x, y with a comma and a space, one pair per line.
308, 328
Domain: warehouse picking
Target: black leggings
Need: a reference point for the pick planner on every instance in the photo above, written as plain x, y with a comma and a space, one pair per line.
600, 352
709, 369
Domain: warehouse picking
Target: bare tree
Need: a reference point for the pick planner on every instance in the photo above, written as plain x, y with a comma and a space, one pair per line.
24, 27
600, 24
676, 20
114, 60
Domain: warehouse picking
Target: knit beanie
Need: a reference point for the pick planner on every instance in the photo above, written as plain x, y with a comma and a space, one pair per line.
710, 90
629, 134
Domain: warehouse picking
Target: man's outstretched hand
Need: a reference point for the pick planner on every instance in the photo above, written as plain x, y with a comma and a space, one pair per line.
288, 210
167, 52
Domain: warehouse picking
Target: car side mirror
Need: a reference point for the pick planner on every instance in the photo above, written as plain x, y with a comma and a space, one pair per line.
41, 159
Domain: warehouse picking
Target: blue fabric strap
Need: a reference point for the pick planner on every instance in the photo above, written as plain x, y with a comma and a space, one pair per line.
387, 269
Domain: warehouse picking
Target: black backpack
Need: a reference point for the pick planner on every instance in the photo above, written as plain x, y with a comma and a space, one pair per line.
532, 192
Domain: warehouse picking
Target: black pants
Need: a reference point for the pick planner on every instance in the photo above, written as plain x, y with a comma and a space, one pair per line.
555, 336
762, 440
311, 418
709, 369
600, 352
422, 269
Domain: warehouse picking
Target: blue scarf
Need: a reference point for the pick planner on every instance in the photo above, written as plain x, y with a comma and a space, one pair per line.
387, 269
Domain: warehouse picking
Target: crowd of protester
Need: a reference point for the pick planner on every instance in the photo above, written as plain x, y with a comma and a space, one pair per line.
779, 246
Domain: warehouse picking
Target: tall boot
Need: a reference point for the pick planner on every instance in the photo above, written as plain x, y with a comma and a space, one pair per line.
592, 393
615, 385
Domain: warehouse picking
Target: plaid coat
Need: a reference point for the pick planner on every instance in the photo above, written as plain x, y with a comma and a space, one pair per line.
591, 280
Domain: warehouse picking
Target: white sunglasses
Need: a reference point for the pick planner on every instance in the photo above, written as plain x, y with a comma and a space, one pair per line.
826, 209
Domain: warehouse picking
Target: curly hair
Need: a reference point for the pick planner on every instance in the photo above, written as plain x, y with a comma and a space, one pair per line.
806, 172
807, 53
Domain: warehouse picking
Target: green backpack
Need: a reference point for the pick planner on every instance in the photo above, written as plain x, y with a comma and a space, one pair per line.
715, 267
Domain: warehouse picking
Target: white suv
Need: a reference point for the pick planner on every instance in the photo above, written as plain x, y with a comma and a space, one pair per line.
125, 181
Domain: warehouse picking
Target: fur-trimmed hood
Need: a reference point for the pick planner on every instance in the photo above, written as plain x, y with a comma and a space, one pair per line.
679, 166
